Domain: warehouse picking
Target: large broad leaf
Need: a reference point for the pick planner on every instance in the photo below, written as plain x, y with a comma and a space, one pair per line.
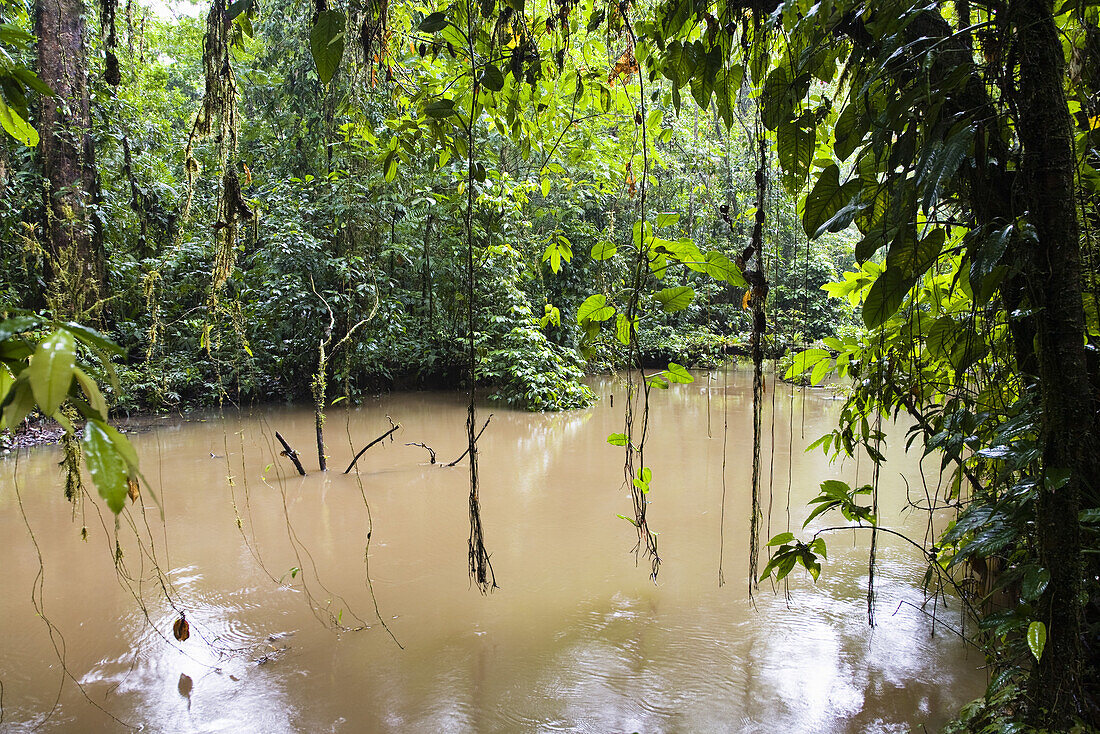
912, 257
886, 296
51, 370
677, 373
594, 308
16, 126
17, 325
492, 78
850, 128
795, 141
433, 23
805, 361
720, 267
603, 250
825, 202
109, 469
675, 299
326, 43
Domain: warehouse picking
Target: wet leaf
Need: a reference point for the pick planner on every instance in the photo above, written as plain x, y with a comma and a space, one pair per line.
106, 464
51, 370
181, 630
1037, 639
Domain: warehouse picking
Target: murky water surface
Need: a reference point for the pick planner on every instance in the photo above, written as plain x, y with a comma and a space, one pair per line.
269, 566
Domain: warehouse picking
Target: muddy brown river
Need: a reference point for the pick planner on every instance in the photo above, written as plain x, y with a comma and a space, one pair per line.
274, 574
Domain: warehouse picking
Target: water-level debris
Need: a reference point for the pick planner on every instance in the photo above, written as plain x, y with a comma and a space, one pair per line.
290, 453
431, 451
181, 630
476, 439
393, 428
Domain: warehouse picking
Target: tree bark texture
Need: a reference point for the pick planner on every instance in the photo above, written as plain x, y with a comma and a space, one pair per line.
67, 156
1052, 272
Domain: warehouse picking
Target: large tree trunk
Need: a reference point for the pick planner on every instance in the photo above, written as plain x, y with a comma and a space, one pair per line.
1053, 277
67, 156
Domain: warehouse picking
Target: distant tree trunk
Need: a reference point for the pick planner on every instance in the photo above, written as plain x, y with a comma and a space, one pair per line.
1053, 276
67, 156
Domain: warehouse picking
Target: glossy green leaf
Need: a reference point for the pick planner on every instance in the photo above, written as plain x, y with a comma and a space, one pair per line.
1037, 639
95, 398
326, 43
108, 468
51, 370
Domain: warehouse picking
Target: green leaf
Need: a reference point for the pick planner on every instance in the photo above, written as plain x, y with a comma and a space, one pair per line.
106, 464
326, 43
795, 141
720, 267
617, 439
885, 297
1035, 583
825, 202
434, 22
675, 299
1037, 639
16, 126
51, 370
622, 329
91, 391
594, 308
677, 373
667, 219
603, 251
492, 79
440, 108
781, 539
19, 402
6, 381
545, 187
805, 361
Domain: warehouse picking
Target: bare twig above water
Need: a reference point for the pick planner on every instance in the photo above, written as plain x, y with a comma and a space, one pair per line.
476, 438
431, 451
393, 427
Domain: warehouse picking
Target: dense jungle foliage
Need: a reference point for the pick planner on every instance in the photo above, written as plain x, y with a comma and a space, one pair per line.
257, 199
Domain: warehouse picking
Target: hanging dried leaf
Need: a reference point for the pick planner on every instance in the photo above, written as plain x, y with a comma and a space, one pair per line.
745, 300
132, 489
181, 630
626, 64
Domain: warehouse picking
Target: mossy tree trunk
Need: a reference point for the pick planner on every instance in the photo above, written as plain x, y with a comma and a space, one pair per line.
67, 157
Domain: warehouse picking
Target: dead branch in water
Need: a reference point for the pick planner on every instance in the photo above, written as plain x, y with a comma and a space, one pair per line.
431, 451
478, 436
393, 427
291, 454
